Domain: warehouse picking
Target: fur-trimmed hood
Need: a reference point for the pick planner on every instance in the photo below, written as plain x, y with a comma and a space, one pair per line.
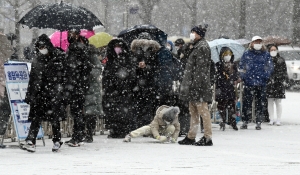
144, 44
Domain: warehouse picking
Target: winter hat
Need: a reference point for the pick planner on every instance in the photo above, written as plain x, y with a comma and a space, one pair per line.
200, 30
256, 38
171, 44
170, 113
179, 41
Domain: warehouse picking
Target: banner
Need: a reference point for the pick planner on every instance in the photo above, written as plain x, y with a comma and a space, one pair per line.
17, 78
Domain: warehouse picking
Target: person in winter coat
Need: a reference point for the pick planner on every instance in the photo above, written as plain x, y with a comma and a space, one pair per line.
255, 69
225, 91
144, 51
78, 69
196, 88
164, 127
118, 84
276, 85
179, 43
45, 93
93, 100
171, 47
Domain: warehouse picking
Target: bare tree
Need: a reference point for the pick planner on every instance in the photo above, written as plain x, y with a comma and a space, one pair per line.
147, 8
296, 22
193, 10
19, 9
242, 25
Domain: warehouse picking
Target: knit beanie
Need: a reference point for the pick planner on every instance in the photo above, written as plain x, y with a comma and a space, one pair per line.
200, 30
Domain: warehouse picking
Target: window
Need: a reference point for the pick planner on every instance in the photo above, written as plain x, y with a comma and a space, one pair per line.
290, 55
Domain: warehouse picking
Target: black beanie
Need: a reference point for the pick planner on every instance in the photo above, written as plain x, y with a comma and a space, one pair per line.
200, 30
43, 40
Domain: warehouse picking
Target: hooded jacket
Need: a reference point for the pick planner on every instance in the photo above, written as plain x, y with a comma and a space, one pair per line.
158, 121
225, 78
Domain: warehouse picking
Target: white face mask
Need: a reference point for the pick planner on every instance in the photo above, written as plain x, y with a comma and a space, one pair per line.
177, 47
44, 51
168, 47
167, 122
192, 36
257, 46
273, 53
227, 58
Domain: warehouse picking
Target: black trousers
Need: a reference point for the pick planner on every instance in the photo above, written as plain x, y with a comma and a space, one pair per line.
228, 105
34, 130
76, 109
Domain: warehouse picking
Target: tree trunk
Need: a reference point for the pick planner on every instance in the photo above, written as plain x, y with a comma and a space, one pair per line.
194, 14
17, 27
296, 22
242, 26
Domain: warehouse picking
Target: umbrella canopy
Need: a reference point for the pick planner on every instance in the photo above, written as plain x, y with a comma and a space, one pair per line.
61, 17
217, 44
60, 39
6, 49
277, 40
132, 33
100, 39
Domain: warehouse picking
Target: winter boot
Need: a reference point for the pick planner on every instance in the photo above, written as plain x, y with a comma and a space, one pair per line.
258, 127
56, 146
235, 127
29, 146
222, 126
73, 143
187, 141
127, 138
244, 126
204, 142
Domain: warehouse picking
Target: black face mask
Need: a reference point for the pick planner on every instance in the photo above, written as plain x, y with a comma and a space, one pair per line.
71, 39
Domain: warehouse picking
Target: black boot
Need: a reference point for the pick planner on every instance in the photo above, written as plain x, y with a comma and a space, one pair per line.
187, 141
222, 126
204, 142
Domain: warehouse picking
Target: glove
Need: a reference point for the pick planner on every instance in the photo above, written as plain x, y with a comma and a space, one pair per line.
162, 138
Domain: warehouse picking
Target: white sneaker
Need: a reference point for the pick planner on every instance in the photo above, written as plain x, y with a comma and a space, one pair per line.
29, 146
271, 122
127, 138
278, 123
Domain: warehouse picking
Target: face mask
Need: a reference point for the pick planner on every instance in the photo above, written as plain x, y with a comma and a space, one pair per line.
192, 36
227, 58
168, 47
167, 122
257, 46
273, 53
177, 47
118, 50
44, 51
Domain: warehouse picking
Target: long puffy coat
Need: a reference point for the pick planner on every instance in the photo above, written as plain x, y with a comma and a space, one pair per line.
118, 83
145, 93
45, 88
225, 79
196, 83
93, 100
275, 85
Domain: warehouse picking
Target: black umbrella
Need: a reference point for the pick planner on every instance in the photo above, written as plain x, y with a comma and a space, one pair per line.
61, 17
132, 33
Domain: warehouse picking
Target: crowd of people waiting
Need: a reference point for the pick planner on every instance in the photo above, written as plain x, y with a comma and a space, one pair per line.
133, 87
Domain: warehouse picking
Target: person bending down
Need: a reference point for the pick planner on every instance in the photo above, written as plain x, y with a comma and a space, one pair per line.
164, 127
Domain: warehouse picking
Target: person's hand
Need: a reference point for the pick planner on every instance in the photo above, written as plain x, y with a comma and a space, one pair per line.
162, 138
142, 64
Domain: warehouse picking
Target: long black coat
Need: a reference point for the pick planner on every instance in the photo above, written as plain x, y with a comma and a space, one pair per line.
45, 88
118, 83
275, 85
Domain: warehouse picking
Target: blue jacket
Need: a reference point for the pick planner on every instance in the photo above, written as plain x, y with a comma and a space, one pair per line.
255, 67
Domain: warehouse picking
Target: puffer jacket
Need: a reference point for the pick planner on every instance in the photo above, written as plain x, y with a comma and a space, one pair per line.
158, 123
196, 84
256, 66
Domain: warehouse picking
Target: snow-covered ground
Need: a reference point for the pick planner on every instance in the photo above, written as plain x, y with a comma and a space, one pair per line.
272, 150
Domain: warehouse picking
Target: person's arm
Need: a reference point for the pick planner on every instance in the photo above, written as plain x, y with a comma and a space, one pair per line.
269, 67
